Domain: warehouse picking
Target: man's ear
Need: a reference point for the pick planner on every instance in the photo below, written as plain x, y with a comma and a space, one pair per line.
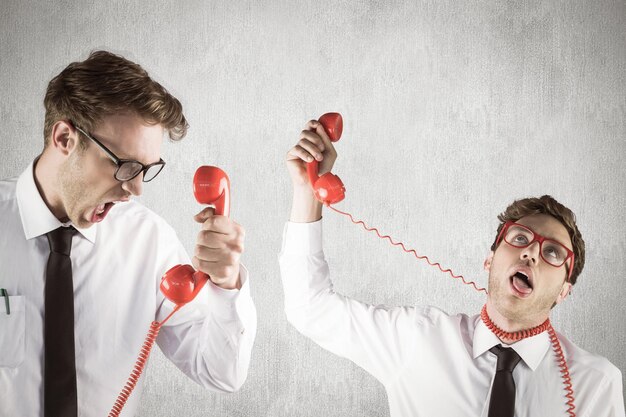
64, 137
487, 263
565, 291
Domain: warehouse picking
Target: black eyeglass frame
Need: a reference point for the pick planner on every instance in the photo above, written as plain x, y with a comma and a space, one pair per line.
120, 162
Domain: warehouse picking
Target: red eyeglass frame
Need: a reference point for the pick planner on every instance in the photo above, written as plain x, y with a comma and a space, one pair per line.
538, 238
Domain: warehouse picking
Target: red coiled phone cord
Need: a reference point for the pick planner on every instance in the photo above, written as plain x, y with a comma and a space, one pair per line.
144, 353
567, 380
419, 257
556, 346
515, 336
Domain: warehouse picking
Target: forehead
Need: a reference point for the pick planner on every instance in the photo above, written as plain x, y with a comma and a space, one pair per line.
548, 227
128, 124
130, 137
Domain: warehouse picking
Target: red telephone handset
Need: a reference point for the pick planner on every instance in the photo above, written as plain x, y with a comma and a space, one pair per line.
328, 188
181, 283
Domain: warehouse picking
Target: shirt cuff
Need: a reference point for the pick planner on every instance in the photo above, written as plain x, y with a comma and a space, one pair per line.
302, 238
230, 304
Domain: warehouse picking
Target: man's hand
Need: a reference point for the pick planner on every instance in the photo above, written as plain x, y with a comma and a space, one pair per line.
218, 248
313, 143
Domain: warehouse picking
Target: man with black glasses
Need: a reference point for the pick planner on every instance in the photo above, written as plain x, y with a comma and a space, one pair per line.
81, 262
506, 361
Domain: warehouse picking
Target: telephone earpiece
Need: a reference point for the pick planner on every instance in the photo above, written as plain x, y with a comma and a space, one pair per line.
182, 283
328, 188
212, 186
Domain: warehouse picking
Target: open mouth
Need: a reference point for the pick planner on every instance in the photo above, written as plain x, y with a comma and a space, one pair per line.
101, 211
521, 284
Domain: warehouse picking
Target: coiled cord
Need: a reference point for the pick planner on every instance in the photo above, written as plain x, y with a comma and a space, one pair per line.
419, 257
556, 347
514, 336
567, 380
142, 359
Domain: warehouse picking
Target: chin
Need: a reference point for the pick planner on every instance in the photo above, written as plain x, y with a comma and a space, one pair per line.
81, 222
510, 307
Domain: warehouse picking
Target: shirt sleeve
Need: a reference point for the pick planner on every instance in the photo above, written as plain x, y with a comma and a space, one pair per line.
376, 338
210, 339
608, 400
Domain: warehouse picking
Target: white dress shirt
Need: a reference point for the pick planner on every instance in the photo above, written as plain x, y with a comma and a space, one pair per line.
117, 267
432, 363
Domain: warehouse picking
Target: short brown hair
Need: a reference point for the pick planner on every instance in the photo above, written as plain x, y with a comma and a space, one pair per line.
105, 84
547, 205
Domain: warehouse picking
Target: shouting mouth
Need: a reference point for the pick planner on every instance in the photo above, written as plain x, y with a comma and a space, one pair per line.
101, 211
521, 284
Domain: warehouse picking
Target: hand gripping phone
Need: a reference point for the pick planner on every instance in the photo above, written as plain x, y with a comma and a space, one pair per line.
328, 188
182, 283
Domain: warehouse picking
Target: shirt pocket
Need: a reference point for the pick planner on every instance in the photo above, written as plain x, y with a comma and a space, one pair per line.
12, 328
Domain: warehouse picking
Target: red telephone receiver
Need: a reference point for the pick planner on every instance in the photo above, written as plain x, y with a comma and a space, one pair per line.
182, 283
328, 188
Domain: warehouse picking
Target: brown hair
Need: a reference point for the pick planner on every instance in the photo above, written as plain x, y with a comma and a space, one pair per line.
104, 84
547, 205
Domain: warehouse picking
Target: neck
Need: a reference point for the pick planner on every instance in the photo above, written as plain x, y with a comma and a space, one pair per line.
510, 335
45, 174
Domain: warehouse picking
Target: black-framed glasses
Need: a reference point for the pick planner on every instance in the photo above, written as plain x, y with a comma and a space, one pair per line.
551, 251
127, 169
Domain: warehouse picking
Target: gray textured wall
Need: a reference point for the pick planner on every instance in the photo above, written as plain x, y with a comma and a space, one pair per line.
452, 109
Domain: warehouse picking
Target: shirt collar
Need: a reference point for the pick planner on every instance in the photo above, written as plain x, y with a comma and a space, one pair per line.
37, 219
531, 349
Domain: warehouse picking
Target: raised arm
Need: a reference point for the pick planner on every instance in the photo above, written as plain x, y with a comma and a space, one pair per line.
374, 337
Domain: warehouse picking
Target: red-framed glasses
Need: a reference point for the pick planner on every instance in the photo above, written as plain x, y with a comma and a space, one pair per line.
551, 251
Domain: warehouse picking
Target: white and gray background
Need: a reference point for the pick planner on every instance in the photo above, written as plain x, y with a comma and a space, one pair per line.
452, 110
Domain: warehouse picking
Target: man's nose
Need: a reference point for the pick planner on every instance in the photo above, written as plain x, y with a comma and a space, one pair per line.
531, 252
134, 186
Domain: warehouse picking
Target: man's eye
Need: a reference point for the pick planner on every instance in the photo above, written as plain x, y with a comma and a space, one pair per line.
552, 253
520, 239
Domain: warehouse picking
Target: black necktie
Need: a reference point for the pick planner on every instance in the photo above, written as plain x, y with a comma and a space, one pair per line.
502, 402
60, 367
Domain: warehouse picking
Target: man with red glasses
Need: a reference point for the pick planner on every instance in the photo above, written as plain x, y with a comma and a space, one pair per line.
524, 300
507, 361
81, 261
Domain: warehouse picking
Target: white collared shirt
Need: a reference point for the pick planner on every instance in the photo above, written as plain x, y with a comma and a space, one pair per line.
117, 267
431, 363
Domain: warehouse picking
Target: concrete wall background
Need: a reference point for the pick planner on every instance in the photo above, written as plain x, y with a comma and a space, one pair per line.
452, 110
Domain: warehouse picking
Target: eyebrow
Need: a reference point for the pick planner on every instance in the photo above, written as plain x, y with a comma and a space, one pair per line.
562, 242
124, 156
